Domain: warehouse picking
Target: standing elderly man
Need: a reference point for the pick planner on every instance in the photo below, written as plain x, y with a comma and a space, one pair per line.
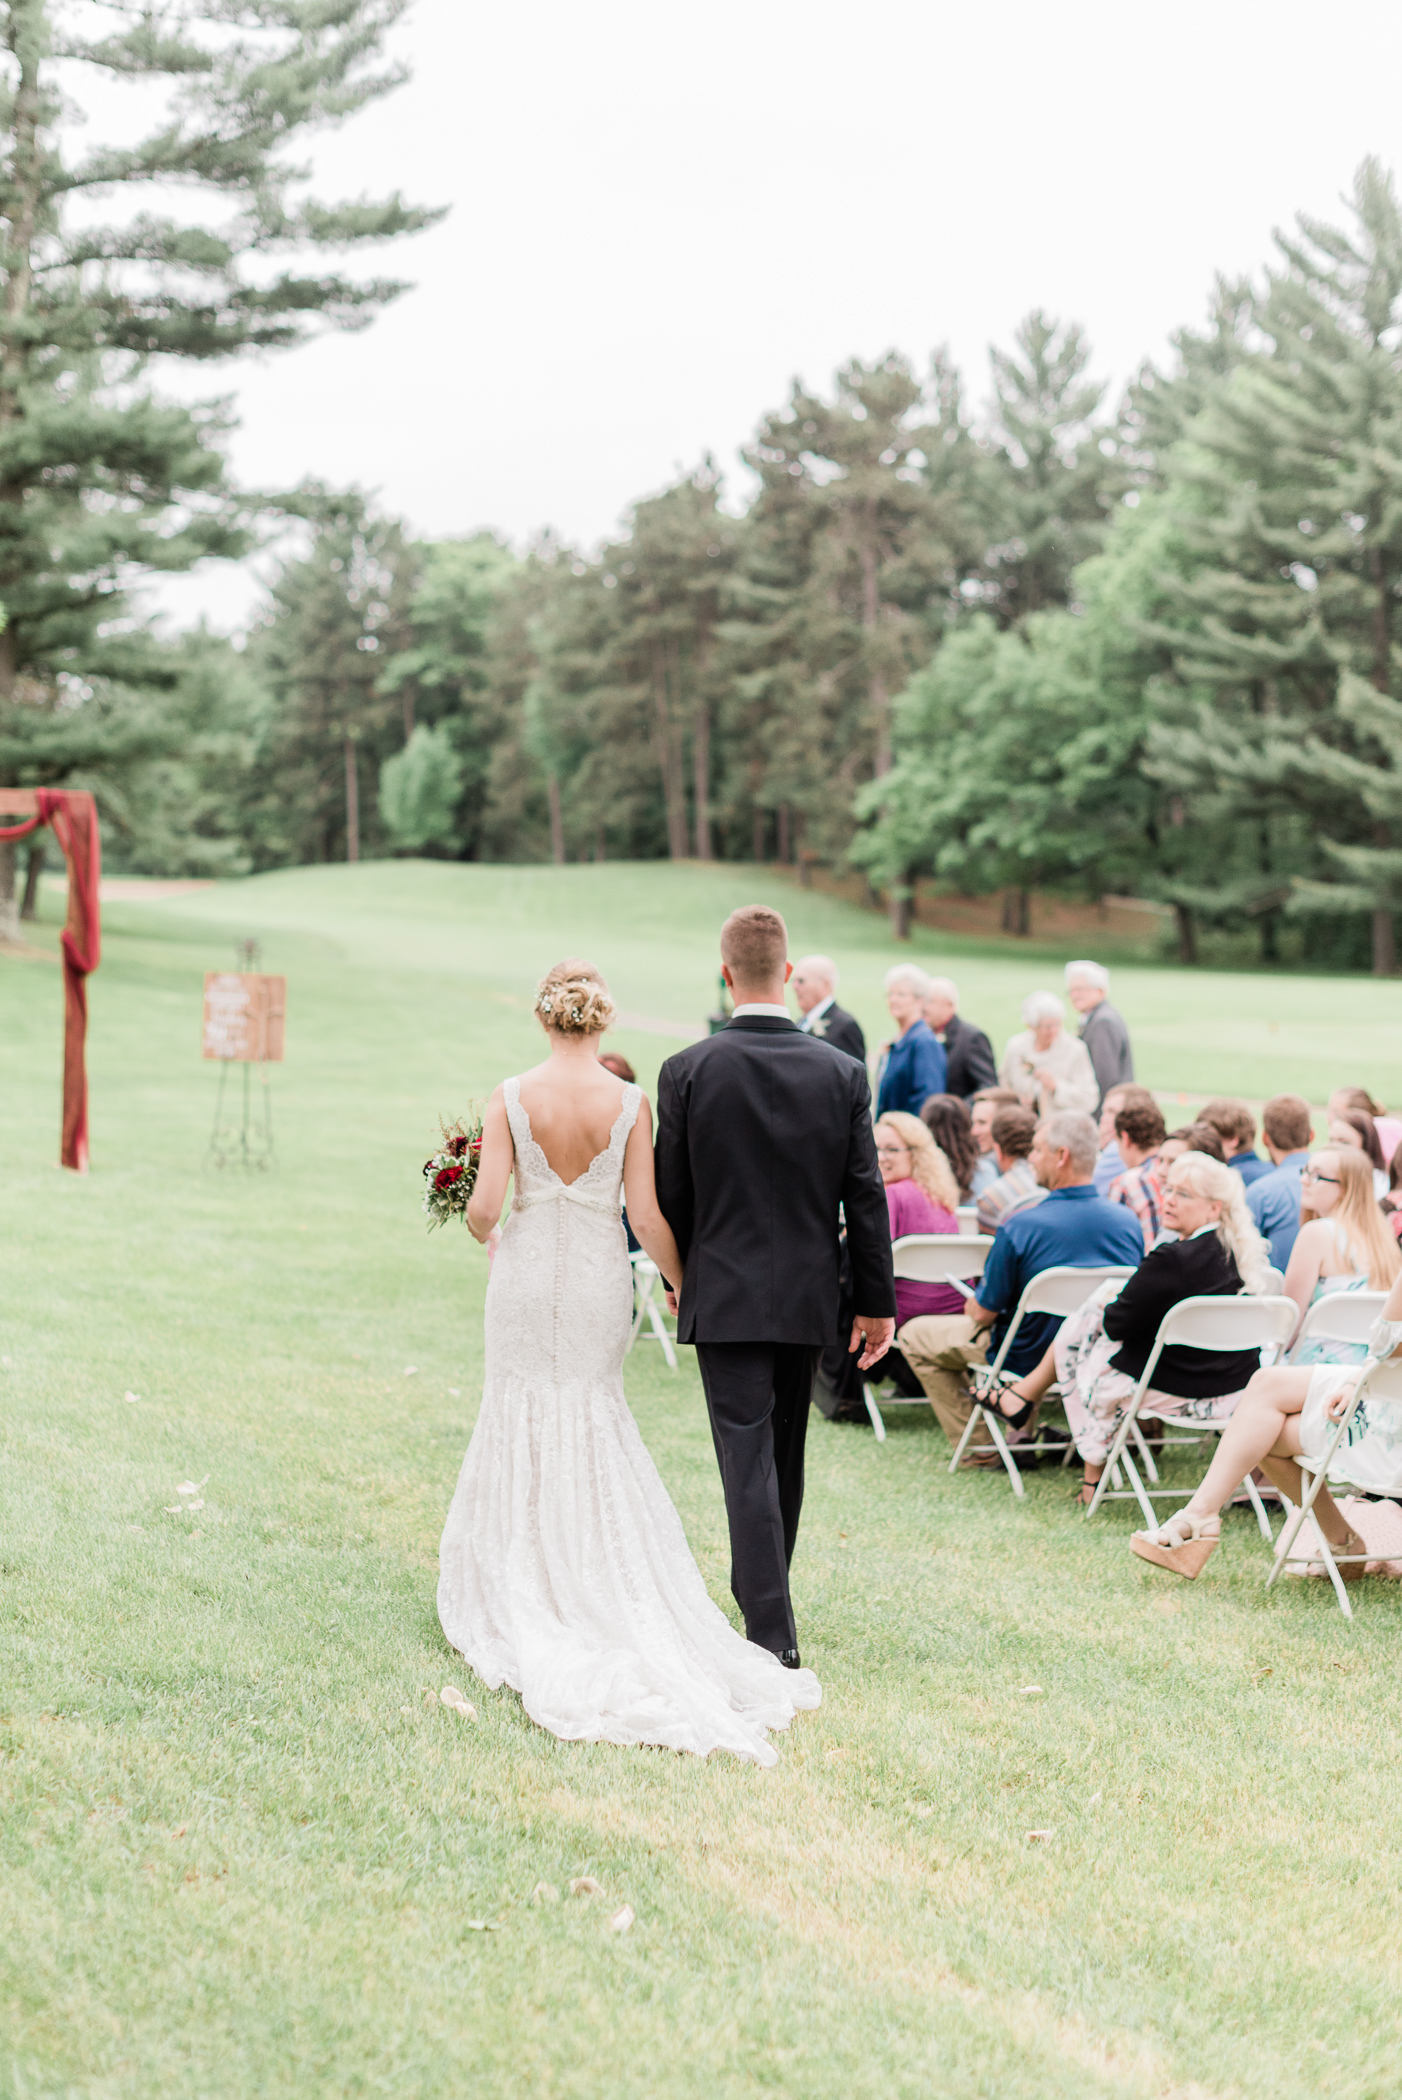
1045, 1067
1071, 1227
968, 1054
1102, 1029
814, 986
915, 1066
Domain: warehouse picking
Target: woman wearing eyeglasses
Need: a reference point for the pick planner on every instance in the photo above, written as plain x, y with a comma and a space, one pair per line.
921, 1196
1343, 1243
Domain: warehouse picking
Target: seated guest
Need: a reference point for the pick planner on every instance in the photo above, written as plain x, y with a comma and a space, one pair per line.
814, 986
1072, 1227
920, 1197
914, 1067
982, 1109
1359, 1133
968, 1054
1360, 1101
1109, 1164
1192, 1137
1045, 1067
1017, 1187
1103, 1030
949, 1124
1392, 1201
1343, 1243
1236, 1127
1286, 1413
1099, 1355
621, 1069
1139, 1131
1274, 1200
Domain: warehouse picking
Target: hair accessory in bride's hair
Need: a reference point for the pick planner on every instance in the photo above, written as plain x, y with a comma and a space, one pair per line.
572, 999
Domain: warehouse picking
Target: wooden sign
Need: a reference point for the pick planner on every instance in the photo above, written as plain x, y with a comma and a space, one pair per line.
244, 1017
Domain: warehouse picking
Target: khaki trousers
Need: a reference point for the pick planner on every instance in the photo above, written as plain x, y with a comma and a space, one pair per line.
940, 1347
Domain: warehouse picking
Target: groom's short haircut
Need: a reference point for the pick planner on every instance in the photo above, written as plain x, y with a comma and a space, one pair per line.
754, 944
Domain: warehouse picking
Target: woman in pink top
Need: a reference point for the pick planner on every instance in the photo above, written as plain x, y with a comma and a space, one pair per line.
921, 1196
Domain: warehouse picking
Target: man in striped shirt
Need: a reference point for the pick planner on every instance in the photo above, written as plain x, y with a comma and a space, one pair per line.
1017, 1186
1139, 1131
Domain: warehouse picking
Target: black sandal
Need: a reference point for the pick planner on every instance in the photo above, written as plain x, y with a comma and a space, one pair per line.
988, 1393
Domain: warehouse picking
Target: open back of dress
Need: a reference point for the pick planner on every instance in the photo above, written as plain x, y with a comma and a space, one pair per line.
564, 1570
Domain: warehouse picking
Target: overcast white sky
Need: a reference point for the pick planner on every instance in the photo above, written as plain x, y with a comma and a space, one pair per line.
661, 213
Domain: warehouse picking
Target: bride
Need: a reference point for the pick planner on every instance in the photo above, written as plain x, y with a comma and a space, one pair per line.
564, 1570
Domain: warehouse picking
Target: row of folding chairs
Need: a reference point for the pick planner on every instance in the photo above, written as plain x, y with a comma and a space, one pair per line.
1270, 1323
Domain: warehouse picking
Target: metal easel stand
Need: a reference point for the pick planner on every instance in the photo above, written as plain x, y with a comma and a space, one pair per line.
242, 1136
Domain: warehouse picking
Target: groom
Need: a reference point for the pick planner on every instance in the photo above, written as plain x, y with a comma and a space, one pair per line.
762, 1132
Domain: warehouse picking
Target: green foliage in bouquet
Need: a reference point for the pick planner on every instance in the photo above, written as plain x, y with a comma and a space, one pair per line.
451, 1174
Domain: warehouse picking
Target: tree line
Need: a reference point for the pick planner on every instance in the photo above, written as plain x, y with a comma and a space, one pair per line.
1043, 640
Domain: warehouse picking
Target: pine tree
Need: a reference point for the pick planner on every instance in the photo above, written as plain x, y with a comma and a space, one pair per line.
336, 614
1050, 472
620, 710
443, 681
1290, 482
855, 548
100, 480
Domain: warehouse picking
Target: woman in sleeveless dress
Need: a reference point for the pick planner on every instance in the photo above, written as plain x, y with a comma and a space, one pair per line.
1343, 1244
564, 1569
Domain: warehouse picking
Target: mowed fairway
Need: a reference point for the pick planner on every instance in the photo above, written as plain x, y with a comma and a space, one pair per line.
243, 1853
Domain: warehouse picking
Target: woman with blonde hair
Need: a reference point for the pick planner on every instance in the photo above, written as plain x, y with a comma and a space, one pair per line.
564, 1570
1343, 1243
1100, 1353
921, 1196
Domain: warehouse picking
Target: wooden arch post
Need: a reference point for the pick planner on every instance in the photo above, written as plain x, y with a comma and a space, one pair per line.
71, 813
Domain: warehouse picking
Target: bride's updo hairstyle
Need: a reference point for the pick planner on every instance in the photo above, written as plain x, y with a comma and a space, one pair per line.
572, 999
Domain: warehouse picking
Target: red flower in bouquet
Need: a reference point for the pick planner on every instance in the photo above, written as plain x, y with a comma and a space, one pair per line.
452, 1171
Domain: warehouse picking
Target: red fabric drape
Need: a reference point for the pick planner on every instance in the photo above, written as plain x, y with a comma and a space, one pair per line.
72, 814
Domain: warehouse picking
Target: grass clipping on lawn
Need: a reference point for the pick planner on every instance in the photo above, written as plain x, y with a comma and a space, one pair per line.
1061, 1826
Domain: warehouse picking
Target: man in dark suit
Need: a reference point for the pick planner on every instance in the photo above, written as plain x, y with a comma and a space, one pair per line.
814, 986
968, 1053
762, 1133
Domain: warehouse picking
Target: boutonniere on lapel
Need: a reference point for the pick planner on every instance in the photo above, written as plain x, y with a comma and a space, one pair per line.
820, 1027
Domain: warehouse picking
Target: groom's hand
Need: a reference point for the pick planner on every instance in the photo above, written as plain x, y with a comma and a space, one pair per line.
876, 1335
670, 1298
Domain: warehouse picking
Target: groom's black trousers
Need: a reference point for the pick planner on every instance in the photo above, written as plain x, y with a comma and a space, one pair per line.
758, 1395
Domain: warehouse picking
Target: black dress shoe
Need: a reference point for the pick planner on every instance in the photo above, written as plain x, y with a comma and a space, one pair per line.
789, 1658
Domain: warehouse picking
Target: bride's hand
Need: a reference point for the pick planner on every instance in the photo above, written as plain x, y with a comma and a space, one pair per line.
491, 1243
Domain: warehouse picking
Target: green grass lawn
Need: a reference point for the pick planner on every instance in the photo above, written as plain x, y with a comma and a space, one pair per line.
242, 1855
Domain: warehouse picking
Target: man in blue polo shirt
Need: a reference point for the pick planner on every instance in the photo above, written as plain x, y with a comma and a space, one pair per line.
1274, 1199
1071, 1227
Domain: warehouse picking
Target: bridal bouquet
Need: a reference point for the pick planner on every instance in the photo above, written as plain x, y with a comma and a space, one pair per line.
451, 1174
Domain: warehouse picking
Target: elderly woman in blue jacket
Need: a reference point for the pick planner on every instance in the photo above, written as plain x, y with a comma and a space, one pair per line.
915, 1065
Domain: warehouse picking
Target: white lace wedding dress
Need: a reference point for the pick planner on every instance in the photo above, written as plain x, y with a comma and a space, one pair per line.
564, 1569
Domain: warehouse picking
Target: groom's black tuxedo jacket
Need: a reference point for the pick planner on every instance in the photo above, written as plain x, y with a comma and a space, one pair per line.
762, 1132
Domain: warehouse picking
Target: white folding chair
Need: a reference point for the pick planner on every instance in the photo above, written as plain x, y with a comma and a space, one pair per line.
1061, 1291
1344, 1316
929, 1257
1218, 1324
647, 1291
1379, 1381
967, 1216
1275, 1284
